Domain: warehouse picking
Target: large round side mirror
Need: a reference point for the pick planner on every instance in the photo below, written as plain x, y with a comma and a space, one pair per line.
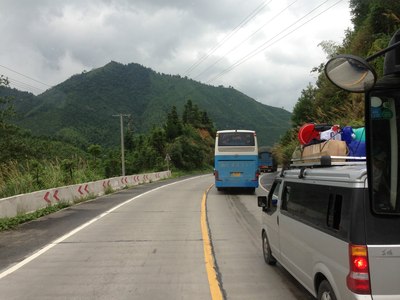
350, 73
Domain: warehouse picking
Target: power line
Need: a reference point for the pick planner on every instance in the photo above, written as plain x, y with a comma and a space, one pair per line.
245, 40
265, 45
237, 28
261, 47
23, 85
25, 76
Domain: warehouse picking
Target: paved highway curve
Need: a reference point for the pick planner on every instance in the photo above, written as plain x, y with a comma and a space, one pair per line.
145, 243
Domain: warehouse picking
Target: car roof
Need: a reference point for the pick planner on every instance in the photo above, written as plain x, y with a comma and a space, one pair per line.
348, 173
235, 130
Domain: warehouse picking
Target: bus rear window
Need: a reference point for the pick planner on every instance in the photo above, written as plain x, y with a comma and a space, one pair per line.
236, 139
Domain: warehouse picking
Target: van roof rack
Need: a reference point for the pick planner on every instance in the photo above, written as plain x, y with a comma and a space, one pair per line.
327, 161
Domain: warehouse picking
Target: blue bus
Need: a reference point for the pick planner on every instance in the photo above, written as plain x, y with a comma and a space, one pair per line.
236, 159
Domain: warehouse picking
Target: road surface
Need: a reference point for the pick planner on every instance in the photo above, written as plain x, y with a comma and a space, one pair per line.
145, 243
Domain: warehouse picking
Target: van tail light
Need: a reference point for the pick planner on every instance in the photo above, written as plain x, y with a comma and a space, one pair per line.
358, 277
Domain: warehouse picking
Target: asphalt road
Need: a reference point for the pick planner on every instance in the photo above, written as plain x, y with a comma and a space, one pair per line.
145, 243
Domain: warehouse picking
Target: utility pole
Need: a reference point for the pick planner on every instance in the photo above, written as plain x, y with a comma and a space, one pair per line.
167, 159
121, 118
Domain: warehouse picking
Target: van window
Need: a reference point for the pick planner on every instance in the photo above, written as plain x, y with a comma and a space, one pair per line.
323, 207
334, 211
273, 197
385, 164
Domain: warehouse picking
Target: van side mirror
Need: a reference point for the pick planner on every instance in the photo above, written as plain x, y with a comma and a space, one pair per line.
350, 73
262, 201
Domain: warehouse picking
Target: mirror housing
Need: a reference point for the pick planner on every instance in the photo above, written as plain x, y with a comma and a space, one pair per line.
350, 73
262, 201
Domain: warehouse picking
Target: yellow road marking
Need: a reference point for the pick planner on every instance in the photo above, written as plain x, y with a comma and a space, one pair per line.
215, 289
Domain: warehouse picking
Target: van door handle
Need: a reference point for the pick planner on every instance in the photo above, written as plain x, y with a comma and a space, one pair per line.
277, 220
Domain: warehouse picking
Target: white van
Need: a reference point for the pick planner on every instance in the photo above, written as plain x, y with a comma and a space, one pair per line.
320, 225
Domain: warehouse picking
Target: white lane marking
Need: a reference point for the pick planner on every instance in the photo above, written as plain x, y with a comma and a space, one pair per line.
260, 185
76, 230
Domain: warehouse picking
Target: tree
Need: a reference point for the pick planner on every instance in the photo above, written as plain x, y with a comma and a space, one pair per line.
36, 170
158, 140
95, 151
330, 48
195, 117
359, 9
206, 122
6, 108
304, 109
67, 165
189, 113
173, 127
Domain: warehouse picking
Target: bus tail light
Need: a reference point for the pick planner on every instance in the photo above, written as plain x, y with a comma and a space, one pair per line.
358, 277
257, 175
216, 175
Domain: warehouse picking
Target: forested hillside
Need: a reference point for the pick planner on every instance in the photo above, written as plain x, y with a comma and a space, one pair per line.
375, 22
80, 110
28, 163
71, 133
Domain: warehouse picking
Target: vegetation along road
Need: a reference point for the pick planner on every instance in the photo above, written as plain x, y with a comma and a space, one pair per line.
148, 242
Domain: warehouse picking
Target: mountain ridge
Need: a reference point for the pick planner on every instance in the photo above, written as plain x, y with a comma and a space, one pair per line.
81, 109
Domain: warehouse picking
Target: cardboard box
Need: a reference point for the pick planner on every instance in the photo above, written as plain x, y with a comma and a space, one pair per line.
330, 148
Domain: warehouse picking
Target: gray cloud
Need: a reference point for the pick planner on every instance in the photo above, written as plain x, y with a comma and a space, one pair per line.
53, 40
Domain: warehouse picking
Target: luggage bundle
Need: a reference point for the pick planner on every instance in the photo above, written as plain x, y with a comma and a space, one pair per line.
340, 144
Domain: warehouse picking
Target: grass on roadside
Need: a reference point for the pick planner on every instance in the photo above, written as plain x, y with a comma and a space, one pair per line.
11, 223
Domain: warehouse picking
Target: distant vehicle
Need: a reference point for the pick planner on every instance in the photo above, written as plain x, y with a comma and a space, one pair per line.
266, 162
236, 159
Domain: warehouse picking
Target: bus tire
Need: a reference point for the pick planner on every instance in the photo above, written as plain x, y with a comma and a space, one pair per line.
325, 291
268, 257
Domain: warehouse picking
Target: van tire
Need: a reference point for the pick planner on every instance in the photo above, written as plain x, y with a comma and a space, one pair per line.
325, 291
268, 257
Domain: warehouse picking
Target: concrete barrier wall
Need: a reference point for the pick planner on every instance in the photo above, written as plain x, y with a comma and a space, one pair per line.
24, 203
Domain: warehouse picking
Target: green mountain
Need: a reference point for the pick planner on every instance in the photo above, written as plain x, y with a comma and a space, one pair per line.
82, 109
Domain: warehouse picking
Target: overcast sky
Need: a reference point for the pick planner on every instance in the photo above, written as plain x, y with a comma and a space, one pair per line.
265, 49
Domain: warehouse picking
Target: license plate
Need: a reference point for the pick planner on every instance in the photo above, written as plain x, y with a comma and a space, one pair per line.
236, 174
